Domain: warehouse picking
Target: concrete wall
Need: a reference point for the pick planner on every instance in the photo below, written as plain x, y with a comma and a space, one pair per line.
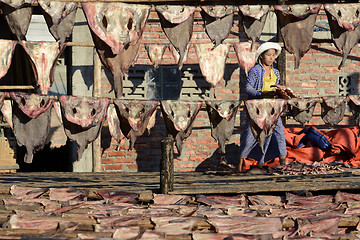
82, 78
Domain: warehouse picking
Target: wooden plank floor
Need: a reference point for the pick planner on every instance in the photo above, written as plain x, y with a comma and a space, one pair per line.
241, 183
185, 183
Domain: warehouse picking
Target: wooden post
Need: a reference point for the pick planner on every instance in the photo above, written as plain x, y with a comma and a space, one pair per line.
282, 60
97, 93
282, 57
282, 66
167, 165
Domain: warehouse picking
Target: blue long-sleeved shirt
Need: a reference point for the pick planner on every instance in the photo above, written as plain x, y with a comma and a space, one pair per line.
254, 81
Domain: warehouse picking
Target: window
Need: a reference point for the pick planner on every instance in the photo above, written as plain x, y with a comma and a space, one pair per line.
166, 82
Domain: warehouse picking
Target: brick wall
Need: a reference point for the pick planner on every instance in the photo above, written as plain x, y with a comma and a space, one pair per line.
317, 76
200, 149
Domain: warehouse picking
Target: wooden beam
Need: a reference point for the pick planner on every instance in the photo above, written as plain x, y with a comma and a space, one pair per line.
6, 87
97, 93
80, 44
189, 2
192, 2
9, 167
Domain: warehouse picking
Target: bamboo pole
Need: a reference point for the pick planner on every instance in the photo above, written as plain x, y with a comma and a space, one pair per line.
97, 93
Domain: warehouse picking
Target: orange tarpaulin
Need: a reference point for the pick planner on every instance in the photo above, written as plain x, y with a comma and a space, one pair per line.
345, 147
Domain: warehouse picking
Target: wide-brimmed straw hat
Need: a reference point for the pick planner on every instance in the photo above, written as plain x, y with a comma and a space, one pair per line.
266, 46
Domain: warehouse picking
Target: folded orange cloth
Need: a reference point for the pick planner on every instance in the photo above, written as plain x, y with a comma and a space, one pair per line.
345, 146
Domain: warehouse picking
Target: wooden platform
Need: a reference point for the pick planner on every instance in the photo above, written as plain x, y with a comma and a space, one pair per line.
185, 183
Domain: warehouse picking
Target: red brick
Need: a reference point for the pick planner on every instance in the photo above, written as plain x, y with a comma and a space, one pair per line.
198, 28
156, 28
205, 140
236, 91
189, 152
107, 161
232, 98
293, 84
197, 158
350, 64
113, 141
314, 91
116, 154
124, 160
186, 170
302, 91
202, 115
328, 65
193, 134
207, 134
147, 28
133, 166
146, 35
131, 152
182, 159
304, 64
350, 70
113, 167
316, 70
124, 147
210, 146
224, 90
309, 84
325, 77
332, 70
308, 57
186, 165
204, 153
330, 91
191, 140
326, 84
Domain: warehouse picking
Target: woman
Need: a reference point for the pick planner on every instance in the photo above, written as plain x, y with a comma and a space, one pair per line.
258, 85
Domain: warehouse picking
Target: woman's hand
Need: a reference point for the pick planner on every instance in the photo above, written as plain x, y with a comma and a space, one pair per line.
283, 91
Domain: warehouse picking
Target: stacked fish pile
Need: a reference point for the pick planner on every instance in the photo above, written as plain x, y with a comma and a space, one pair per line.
71, 213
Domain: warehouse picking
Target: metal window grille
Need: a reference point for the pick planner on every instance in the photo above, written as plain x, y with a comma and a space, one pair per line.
166, 82
348, 85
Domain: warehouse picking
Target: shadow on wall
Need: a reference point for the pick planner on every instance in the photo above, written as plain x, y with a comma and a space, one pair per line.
229, 70
354, 79
211, 163
86, 73
149, 146
46, 160
146, 155
334, 53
